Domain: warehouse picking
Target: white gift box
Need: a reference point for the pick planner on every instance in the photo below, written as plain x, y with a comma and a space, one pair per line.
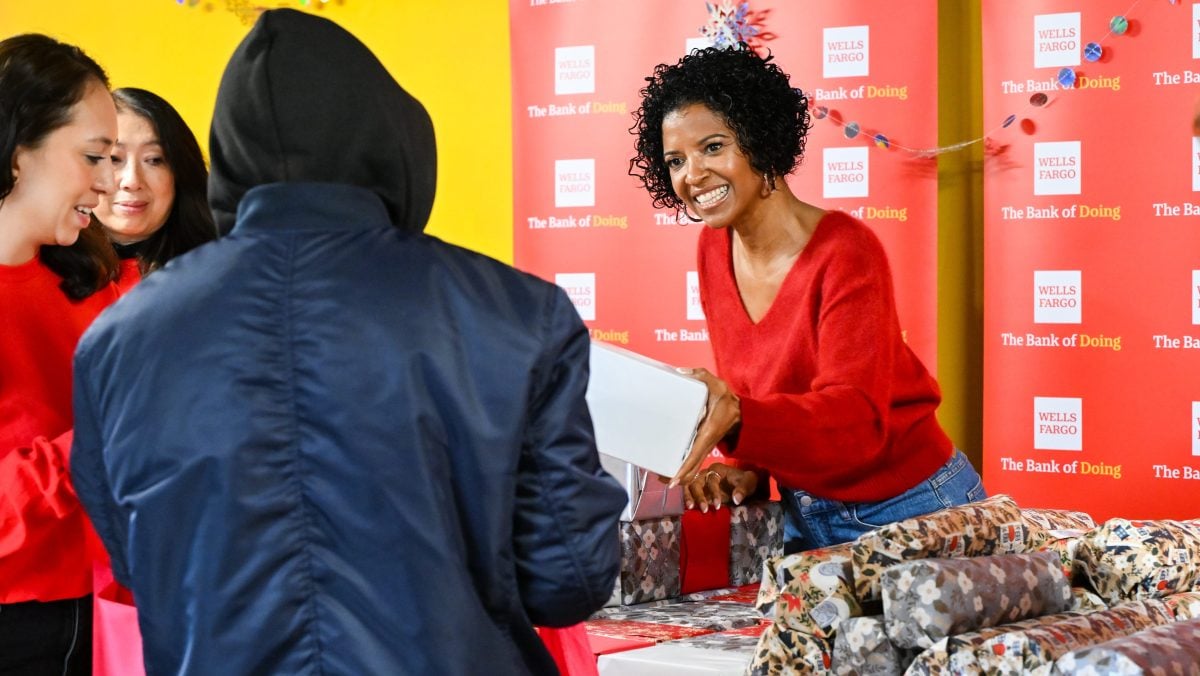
644, 411
674, 658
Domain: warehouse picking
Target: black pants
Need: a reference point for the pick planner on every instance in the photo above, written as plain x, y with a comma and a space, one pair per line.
46, 639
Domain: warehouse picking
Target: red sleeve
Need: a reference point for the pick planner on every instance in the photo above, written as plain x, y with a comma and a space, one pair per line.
37, 489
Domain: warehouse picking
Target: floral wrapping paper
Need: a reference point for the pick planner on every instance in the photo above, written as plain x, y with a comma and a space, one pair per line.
1126, 560
925, 601
956, 654
991, 526
713, 616
755, 535
1064, 543
649, 560
1166, 649
1058, 519
1185, 606
810, 591
783, 652
1033, 651
862, 648
1086, 601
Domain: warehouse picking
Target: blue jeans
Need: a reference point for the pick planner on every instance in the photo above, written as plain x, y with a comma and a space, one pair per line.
811, 522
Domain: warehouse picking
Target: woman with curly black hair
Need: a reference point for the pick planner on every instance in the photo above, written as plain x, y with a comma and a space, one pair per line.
817, 385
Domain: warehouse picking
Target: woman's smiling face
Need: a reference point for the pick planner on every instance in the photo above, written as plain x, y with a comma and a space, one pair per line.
709, 171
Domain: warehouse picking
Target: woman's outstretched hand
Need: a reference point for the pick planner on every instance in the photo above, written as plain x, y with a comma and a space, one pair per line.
723, 413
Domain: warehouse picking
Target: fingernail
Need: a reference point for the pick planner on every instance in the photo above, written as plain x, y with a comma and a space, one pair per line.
718, 506
690, 504
673, 484
737, 499
685, 371
704, 508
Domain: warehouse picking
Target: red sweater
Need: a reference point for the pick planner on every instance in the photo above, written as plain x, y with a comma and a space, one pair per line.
43, 529
833, 400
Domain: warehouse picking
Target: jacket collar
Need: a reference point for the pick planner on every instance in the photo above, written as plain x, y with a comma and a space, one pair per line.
310, 206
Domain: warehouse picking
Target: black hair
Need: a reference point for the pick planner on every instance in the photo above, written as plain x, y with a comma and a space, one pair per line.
749, 92
189, 222
41, 80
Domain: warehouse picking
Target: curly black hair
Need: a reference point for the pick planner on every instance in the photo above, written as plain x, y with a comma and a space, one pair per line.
750, 92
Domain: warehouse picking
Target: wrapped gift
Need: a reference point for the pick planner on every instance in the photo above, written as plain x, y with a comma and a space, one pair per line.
1058, 519
755, 535
810, 591
991, 526
1185, 606
1126, 560
1033, 651
665, 557
783, 652
1065, 543
925, 601
641, 630
1166, 649
707, 615
725, 653
643, 411
1085, 600
649, 561
862, 648
649, 498
956, 654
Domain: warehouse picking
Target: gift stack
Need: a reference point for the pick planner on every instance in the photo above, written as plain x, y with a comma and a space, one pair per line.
987, 588
688, 583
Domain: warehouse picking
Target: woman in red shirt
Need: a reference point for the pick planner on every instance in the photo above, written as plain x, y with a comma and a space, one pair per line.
817, 385
57, 126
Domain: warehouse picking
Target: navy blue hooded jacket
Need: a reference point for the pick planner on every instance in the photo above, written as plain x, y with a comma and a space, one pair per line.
327, 443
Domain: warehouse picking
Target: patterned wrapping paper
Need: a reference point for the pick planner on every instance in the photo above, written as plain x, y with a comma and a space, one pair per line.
926, 601
735, 640
704, 615
1033, 651
956, 654
1167, 649
1126, 560
810, 591
783, 652
747, 594
755, 535
1086, 601
1064, 543
991, 526
649, 560
1058, 519
644, 630
1185, 606
862, 648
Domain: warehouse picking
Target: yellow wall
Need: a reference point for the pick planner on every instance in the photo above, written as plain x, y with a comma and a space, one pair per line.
456, 65
960, 225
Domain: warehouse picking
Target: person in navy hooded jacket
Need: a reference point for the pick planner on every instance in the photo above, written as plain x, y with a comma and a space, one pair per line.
327, 443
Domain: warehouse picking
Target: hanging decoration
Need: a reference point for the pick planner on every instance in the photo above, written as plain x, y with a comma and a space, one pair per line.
732, 23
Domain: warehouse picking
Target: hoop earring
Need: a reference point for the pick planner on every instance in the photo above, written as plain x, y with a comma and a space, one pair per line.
768, 185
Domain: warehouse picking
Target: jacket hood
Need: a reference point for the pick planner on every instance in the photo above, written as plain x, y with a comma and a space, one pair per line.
304, 100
